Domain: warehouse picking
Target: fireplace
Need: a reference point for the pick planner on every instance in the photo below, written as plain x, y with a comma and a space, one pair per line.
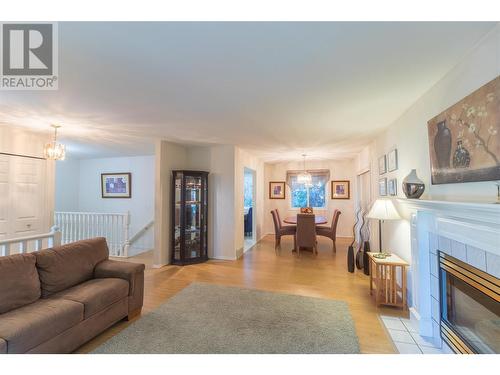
470, 307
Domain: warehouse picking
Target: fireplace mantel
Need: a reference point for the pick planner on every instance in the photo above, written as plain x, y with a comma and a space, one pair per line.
487, 213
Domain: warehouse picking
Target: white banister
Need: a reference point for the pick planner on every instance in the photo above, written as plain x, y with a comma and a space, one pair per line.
30, 243
129, 242
77, 226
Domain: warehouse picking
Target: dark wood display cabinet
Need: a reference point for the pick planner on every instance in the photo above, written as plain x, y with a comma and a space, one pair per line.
189, 217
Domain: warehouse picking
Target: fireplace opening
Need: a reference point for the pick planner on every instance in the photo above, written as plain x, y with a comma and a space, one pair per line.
470, 307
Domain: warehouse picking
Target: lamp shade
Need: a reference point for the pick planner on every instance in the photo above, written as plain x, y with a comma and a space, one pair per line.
383, 209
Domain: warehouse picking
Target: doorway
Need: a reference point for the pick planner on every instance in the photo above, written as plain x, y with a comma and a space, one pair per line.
249, 208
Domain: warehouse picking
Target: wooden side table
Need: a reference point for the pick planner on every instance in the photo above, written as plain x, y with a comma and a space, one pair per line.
384, 275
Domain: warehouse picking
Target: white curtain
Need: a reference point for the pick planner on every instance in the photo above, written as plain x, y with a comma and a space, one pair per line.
318, 175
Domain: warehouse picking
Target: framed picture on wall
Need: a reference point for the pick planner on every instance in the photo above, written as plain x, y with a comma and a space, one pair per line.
116, 185
392, 160
277, 190
341, 189
382, 187
382, 164
392, 186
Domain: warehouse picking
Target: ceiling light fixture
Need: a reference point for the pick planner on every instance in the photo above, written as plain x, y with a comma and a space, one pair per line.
54, 150
304, 177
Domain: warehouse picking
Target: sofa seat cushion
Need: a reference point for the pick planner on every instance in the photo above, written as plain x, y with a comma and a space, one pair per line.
95, 294
33, 324
19, 282
62, 267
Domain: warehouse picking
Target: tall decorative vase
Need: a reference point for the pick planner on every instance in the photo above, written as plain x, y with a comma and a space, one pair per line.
366, 261
442, 145
413, 187
350, 259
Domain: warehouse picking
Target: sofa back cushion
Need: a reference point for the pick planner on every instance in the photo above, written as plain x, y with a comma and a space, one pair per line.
65, 266
19, 282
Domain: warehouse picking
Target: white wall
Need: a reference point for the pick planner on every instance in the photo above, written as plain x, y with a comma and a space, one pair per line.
168, 157
78, 188
409, 134
244, 159
67, 185
339, 170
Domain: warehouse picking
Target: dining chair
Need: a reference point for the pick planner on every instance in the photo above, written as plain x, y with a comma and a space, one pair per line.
281, 230
248, 222
330, 231
305, 235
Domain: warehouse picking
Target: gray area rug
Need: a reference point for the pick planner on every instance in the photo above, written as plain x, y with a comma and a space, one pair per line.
206, 318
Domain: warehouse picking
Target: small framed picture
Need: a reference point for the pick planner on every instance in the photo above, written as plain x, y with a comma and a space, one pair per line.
382, 164
341, 189
382, 187
392, 160
277, 190
392, 186
116, 185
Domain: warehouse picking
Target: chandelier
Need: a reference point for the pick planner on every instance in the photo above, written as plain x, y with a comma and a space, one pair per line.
304, 177
54, 150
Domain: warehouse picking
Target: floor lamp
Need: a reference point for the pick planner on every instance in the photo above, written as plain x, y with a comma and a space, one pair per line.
382, 209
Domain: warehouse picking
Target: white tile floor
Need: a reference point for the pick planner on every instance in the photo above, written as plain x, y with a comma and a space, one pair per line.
406, 338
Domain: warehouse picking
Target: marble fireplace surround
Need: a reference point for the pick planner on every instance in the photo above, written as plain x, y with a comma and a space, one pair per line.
467, 231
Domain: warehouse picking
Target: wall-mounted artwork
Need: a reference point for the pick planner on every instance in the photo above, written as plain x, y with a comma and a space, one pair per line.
464, 140
392, 186
341, 189
277, 190
392, 160
382, 164
382, 187
116, 185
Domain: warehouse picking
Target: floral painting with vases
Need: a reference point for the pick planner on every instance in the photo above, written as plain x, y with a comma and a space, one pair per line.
464, 140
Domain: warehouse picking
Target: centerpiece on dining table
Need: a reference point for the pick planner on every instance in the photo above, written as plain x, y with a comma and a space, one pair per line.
306, 210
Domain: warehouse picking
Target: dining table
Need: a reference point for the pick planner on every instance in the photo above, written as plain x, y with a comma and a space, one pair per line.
318, 219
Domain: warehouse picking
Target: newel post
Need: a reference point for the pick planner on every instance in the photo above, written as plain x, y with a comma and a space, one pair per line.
126, 245
56, 235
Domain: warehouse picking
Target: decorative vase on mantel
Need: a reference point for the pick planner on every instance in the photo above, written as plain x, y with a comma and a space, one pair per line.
413, 187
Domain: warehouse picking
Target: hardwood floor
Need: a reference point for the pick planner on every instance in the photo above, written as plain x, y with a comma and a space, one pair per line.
323, 276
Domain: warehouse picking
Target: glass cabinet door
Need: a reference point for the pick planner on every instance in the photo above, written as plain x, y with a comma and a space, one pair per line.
193, 227
177, 216
189, 220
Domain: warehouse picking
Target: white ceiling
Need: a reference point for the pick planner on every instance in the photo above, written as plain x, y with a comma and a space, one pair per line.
276, 89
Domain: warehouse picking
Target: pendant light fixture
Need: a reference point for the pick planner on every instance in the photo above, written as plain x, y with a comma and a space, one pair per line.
304, 177
54, 150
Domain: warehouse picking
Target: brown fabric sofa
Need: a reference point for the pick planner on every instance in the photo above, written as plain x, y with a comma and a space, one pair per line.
55, 300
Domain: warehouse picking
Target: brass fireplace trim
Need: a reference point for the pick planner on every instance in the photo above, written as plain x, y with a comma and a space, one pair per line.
454, 341
486, 283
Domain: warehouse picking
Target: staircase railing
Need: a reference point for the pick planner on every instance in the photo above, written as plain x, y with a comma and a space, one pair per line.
74, 226
30, 243
114, 227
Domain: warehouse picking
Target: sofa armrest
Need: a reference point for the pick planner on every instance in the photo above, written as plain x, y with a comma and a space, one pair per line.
131, 272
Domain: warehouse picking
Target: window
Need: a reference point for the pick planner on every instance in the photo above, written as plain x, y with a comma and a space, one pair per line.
248, 190
313, 196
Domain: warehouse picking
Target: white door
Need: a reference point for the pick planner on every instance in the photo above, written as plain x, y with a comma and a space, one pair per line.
4, 195
22, 192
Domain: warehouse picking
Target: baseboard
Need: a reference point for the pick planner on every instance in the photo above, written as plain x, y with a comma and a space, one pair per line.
223, 257
159, 265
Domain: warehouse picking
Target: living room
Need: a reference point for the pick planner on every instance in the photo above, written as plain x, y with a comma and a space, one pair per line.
216, 188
